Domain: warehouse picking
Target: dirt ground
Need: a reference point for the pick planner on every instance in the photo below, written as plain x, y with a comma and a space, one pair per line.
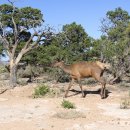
19, 111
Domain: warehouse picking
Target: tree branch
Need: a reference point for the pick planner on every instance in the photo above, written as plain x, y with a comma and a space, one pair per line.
5, 44
14, 23
29, 41
14, 47
28, 47
34, 45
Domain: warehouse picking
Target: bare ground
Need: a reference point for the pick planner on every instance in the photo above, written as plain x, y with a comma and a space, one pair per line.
19, 111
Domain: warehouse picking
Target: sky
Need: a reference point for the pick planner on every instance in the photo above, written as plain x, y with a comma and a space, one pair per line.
88, 13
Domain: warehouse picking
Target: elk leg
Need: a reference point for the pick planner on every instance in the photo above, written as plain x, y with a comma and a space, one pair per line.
102, 81
66, 92
103, 91
80, 85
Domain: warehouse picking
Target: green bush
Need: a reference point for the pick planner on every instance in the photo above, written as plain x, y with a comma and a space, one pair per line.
67, 104
22, 82
58, 75
41, 90
2, 69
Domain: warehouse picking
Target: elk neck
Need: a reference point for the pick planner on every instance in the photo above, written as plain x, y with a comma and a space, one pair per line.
66, 68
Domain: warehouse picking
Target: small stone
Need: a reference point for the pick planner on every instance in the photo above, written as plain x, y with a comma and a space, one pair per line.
126, 123
118, 123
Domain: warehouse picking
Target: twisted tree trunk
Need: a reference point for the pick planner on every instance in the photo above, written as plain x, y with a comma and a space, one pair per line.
13, 73
13, 76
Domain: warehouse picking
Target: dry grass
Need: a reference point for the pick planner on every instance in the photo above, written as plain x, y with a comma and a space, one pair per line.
69, 114
125, 103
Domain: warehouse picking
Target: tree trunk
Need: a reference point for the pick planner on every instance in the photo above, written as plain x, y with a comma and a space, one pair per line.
13, 75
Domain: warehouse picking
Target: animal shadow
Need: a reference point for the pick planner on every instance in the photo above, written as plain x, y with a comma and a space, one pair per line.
76, 92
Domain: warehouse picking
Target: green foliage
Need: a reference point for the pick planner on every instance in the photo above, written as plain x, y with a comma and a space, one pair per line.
71, 44
115, 43
93, 50
75, 33
118, 17
58, 75
2, 69
22, 82
67, 104
28, 71
26, 18
74, 41
41, 90
44, 90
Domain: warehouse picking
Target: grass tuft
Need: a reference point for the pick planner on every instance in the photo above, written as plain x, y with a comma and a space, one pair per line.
41, 91
68, 104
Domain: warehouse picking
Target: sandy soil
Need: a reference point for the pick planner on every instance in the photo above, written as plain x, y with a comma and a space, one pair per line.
18, 111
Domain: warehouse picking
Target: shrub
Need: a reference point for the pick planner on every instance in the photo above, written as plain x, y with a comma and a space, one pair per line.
125, 103
22, 82
58, 75
89, 81
55, 92
4, 76
2, 69
67, 104
41, 90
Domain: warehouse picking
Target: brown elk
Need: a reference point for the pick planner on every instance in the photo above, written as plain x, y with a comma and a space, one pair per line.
82, 70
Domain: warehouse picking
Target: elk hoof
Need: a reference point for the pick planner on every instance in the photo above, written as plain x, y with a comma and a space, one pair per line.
82, 96
103, 97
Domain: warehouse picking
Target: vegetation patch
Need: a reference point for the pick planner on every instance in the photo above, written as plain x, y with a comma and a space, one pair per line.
41, 91
22, 82
68, 104
55, 92
125, 103
69, 114
89, 81
2, 69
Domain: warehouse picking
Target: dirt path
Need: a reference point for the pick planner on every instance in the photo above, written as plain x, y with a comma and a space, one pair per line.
18, 111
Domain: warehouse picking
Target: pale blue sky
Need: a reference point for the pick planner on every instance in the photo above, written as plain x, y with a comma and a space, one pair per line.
88, 13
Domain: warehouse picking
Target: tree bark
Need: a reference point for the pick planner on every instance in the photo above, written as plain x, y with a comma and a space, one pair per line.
13, 75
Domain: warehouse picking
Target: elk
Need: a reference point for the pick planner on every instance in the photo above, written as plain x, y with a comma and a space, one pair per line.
84, 69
